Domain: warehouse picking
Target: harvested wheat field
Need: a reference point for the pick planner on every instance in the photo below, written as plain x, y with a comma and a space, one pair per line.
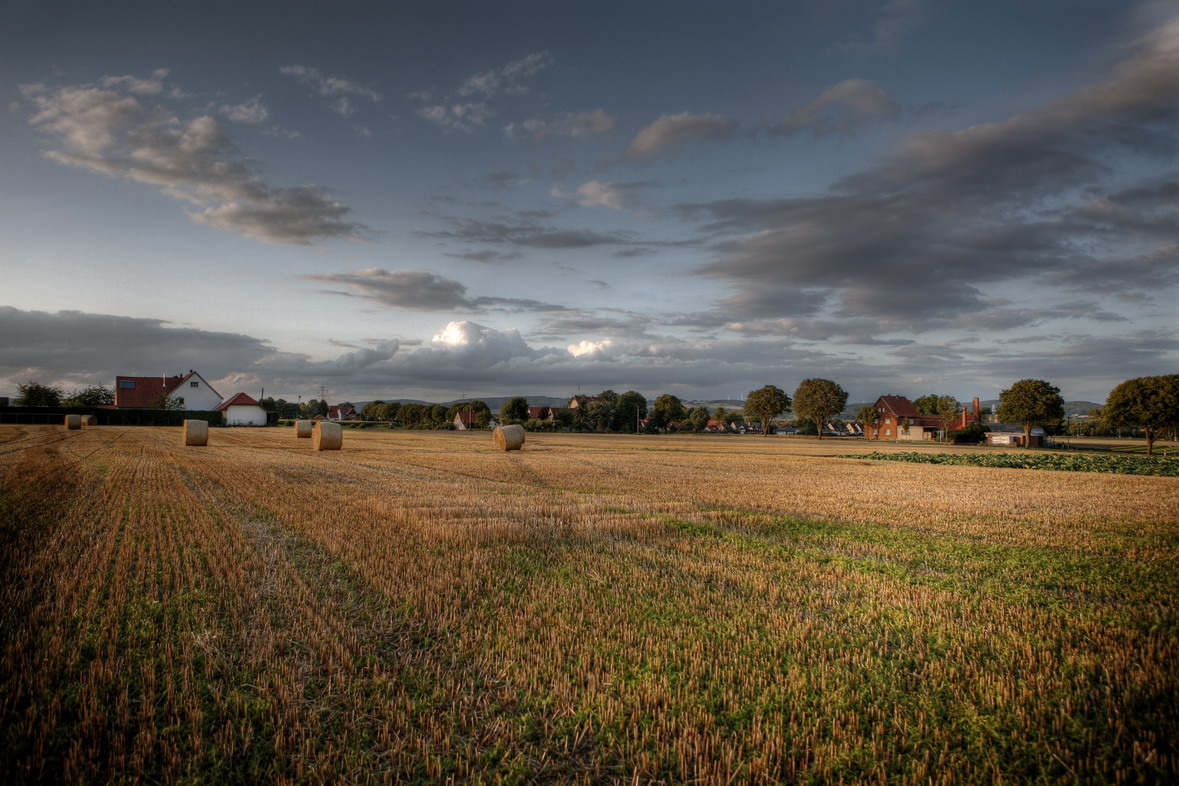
426, 607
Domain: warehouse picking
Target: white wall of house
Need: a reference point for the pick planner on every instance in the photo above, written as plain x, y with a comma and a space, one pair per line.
196, 393
244, 415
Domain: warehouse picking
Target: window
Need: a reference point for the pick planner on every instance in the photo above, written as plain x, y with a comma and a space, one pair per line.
888, 420
194, 384
127, 384
887, 432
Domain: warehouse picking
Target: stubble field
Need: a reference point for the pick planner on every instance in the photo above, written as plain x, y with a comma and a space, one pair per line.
419, 607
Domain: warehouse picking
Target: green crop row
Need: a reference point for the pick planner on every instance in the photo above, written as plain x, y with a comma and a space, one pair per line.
1121, 465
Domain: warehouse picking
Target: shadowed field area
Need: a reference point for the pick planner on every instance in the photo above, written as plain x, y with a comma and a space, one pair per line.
419, 606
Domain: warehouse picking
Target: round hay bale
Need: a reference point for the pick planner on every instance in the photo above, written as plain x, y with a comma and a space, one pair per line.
196, 433
89, 420
73, 421
303, 429
508, 437
327, 436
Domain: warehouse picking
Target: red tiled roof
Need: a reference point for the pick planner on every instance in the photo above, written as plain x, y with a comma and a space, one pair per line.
142, 390
899, 406
240, 398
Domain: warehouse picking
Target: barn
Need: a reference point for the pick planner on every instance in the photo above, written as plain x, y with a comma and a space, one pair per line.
241, 410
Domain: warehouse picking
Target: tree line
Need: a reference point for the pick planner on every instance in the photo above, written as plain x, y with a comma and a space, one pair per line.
1150, 404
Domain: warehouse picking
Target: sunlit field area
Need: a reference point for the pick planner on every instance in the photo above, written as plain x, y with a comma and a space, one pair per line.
421, 607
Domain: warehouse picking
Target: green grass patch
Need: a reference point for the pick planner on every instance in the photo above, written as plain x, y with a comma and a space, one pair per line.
1110, 464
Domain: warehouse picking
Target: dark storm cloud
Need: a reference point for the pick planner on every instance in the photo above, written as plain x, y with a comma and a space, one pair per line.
417, 290
528, 234
76, 348
915, 238
485, 257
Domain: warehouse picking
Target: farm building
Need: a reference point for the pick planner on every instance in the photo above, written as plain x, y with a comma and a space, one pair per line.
190, 390
241, 410
342, 412
900, 420
464, 421
1013, 435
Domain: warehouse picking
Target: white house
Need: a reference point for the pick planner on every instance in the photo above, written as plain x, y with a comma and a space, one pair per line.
190, 390
241, 410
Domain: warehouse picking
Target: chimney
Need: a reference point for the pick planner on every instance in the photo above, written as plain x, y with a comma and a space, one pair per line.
977, 419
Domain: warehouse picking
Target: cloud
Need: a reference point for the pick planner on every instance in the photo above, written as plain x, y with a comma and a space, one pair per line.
462, 112
895, 20
593, 193
572, 125
506, 79
131, 84
104, 131
919, 239
338, 89
670, 134
74, 349
842, 108
486, 256
251, 112
528, 234
466, 117
418, 290
300, 215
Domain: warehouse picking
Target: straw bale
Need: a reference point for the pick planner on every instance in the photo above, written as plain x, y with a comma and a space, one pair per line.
73, 421
196, 433
508, 437
303, 429
89, 420
327, 436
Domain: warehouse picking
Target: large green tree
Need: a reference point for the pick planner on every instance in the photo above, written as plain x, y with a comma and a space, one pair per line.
34, 394
164, 401
599, 415
1031, 403
514, 410
666, 410
629, 409
927, 404
372, 410
819, 400
948, 409
869, 416
411, 415
766, 404
698, 418
1150, 403
93, 396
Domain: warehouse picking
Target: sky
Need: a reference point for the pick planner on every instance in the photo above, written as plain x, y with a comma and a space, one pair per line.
443, 199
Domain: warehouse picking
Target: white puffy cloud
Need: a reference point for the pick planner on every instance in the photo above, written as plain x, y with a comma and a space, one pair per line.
668, 135
250, 112
596, 349
105, 131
